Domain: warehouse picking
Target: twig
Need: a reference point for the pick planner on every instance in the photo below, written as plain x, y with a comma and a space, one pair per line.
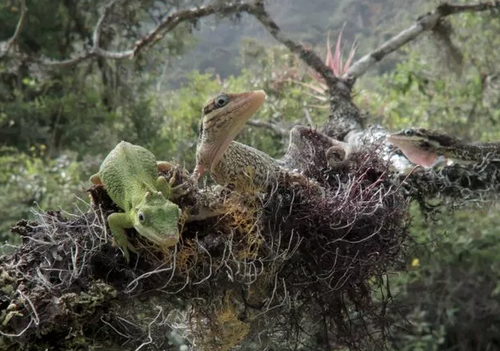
149, 337
173, 20
106, 11
166, 25
271, 126
305, 54
424, 23
96, 50
308, 118
8, 44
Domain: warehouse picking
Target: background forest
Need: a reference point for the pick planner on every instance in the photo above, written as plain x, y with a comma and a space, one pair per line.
57, 124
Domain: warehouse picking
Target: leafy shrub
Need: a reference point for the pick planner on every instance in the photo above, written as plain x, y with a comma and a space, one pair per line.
29, 181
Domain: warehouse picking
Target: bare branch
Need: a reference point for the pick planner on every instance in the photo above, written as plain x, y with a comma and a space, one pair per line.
305, 54
271, 126
96, 50
166, 25
106, 11
308, 118
8, 44
424, 23
173, 20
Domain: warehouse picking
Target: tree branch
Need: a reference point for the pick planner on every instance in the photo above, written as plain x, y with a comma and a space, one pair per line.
424, 23
173, 20
5, 46
455, 185
282, 131
106, 11
166, 25
96, 50
305, 54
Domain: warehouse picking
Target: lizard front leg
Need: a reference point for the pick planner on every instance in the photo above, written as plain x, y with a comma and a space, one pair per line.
168, 189
117, 223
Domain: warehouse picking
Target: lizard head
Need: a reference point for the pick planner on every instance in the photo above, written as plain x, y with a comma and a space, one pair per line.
156, 219
417, 144
223, 118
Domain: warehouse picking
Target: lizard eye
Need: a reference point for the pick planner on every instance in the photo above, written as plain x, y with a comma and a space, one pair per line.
141, 217
221, 100
408, 132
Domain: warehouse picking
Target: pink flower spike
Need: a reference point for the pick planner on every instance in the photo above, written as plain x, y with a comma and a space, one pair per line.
351, 56
329, 59
320, 89
337, 57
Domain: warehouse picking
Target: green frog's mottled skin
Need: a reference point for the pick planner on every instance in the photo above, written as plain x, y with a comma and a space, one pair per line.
130, 175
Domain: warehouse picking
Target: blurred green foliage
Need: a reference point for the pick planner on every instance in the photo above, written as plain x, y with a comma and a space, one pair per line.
449, 299
57, 126
32, 182
424, 91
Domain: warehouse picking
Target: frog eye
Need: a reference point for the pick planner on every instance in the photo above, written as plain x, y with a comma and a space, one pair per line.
141, 217
408, 132
221, 100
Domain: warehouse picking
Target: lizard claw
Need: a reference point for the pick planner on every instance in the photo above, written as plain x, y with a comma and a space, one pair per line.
166, 185
180, 190
172, 192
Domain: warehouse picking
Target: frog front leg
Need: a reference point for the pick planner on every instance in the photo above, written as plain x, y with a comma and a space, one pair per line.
117, 223
166, 187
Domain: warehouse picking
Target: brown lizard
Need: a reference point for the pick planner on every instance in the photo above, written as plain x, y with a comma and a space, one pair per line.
232, 163
429, 148
223, 117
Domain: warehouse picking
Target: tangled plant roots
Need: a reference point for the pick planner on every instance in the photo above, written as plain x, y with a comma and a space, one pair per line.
456, 186
344, 243
290, 268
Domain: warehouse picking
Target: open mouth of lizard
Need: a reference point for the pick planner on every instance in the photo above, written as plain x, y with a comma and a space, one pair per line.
418, 155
